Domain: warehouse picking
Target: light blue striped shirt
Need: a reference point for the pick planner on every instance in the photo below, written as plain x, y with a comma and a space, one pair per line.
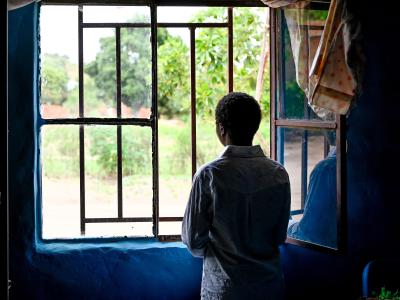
236, 218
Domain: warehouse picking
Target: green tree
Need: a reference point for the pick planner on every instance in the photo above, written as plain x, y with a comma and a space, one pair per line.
173, 75
211, 50
136, 69
173, 64
54, 79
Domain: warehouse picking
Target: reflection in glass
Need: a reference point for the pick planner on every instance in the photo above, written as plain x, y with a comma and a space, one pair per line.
313, 183
308, 25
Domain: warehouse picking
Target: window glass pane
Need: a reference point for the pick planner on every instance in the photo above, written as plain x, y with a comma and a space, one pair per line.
60, 181
101, 171
123, 229
116, 14
59, 61
170, 228
250, 54
100, 91
211, 85
135, 72
174, 126
175, 167
137, 172
174, 14
313, 183
262, 136
309, 25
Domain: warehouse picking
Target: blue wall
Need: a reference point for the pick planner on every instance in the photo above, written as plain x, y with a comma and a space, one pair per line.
150, 270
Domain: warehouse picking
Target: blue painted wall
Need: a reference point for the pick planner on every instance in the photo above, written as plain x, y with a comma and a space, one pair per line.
150, 270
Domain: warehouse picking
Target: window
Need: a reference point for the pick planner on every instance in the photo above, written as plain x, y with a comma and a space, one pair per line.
312, 148
124, 128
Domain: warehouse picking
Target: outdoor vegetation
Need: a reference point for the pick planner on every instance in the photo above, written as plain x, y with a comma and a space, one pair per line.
59, 98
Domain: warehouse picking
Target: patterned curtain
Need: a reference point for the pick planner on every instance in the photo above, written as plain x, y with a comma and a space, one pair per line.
323, 71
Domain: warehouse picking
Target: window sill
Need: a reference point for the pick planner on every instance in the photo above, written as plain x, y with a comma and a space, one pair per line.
124, 245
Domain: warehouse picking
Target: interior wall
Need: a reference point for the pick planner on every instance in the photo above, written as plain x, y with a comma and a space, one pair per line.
154, 271
3, 156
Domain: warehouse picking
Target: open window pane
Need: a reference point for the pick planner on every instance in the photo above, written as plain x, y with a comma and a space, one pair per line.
137, 172
313, 184
305, 27
60, 181
116, 14
59, 65
135, 72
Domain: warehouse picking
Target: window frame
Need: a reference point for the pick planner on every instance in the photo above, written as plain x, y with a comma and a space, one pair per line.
152, 122
339, 125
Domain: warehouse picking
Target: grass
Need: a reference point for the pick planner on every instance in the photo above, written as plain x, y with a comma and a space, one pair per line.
60, 149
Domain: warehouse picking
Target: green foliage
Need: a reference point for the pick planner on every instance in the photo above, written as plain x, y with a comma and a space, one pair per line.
294, 101
211, 57
173, 75
61, 144
91, 101
385, 294
315, 15
54, 79
136, 150
135, 67
60, 151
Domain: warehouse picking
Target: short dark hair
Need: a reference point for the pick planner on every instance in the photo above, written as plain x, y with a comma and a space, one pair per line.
240, 114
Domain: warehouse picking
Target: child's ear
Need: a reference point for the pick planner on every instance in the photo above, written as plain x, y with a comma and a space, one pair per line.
221, 129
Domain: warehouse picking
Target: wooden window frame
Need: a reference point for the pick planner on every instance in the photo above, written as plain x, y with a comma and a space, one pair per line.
339, 124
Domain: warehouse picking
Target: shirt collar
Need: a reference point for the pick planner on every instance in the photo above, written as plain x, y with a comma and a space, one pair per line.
242, 151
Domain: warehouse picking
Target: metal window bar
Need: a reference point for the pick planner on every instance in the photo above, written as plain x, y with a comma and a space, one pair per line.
278, 122
193, 94
152, 122
81, 128
192, 29
154, 114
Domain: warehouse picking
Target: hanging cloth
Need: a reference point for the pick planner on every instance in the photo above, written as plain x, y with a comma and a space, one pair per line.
332, 85
323, 72
14, 4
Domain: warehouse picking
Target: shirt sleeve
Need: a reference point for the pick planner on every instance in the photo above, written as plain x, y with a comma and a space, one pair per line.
197, 218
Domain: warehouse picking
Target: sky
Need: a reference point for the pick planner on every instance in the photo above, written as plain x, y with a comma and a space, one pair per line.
59, 26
